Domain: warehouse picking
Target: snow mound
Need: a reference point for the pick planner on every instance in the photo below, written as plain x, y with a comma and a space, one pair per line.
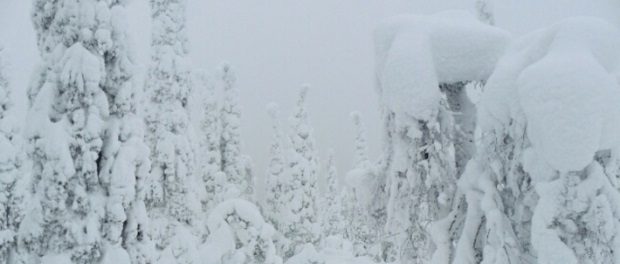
565, 79
239, 234
116, 255
308, 255
242, 208
56, 259
417, 53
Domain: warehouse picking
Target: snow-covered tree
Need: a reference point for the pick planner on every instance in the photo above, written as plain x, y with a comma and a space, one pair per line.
423, 160
239, 234
174, 198
124, 161
302, 226
359, 198
86, 202
356, 219
278, 184
13, 181
332, 219
361, 144
210, 125
538, 198
234, 164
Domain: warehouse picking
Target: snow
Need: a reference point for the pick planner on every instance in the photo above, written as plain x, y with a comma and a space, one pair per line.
81, 67
56, 259
549, 105
116, 255
417, 53
308, 255
335, 250
565, 79
559, 85
239, 232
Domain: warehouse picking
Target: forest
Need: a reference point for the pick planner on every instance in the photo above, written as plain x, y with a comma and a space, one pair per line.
496, 148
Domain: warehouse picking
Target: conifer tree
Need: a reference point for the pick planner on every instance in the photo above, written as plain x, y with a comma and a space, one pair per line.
13, 183
173, 201
332, 220
82, 119
361, 145
277, 182
303, 223
360, 196
211, 162
234, 164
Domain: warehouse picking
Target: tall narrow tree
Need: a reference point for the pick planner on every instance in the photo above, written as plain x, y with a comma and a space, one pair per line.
210, 125
277, 183
234, 165
13, 183
332, 219
173, 202
361, 198
303, 224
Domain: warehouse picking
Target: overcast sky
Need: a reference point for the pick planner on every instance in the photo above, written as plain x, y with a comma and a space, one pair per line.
277, 45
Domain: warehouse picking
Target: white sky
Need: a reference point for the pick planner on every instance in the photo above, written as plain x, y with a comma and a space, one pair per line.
276, 45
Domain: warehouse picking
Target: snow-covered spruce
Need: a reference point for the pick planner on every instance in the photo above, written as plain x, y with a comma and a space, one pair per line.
422, 62
278, 182
13, 180
301, 225
82, 118
557, 140
124, 161
236, 166
210, 160
332, 220
239, 234
173, 200
360, 197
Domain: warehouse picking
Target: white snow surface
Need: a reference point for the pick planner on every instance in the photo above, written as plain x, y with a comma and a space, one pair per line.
565, 78
416, 53
238, 233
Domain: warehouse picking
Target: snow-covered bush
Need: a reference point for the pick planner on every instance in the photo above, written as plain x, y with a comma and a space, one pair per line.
239, 234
